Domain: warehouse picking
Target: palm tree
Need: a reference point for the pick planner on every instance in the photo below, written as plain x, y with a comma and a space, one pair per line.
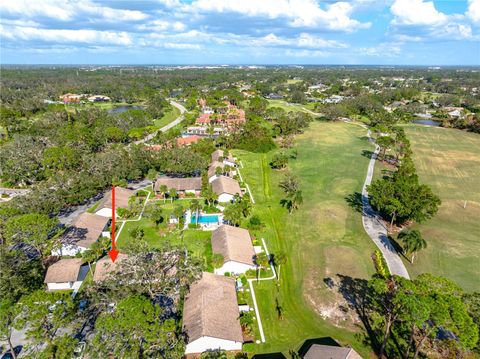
412, 242
279, 259
173, 194
293, 201
95, 251
163, 190
195, 207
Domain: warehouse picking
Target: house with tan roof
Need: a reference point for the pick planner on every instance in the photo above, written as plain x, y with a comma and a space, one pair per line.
318, 351
183, 186
122, 196
219, 156
235, 245
105, 266
66, 274
226, 188
85, 231
211, 315
212, 171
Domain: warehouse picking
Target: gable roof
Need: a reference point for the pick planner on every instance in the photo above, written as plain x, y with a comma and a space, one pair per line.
122, 195
105, 266
213, 168
211, 309
65, 270
86, 229
186, 141
318, 351
219, 153
227, 185
180, 184
233, 243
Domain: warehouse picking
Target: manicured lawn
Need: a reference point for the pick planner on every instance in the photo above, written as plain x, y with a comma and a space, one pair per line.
196, 241
285, 105
169, 116
323, 239
449, 161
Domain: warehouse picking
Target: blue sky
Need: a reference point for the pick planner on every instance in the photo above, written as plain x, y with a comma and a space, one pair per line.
409, 32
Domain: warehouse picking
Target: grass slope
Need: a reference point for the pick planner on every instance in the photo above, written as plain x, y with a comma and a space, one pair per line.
449, 161
169, 116
323, 238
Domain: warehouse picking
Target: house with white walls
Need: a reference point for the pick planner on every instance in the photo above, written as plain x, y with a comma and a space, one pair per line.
66, 274
211, 315
122, 196
224, 157
85, 231
226, 188
235, 245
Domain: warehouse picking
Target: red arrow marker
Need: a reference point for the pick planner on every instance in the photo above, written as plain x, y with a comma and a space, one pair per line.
113, 253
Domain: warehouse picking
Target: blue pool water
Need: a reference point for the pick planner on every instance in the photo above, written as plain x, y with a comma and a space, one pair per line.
205, 219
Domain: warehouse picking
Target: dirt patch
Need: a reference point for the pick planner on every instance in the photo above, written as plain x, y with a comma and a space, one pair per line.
325, 291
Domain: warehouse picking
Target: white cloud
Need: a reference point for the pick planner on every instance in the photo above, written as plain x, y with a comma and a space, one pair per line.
473, 11
182, 46
66, 36
68, 10
416, 12
382, 50
162, 25
418, 20
300, 13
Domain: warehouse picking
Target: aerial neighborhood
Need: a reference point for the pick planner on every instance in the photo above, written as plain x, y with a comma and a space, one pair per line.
236, 212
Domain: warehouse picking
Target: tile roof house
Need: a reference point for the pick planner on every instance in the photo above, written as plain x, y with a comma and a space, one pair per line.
226, 188
317, 351
182, 185
71, 97
122, 196
65, 274
235, 245
105, 266
187, 141
211, 315
85, 231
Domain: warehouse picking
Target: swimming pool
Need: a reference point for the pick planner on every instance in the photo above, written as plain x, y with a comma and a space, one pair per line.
205, 218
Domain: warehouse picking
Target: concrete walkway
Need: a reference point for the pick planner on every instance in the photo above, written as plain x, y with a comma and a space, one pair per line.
374, 225
254, 298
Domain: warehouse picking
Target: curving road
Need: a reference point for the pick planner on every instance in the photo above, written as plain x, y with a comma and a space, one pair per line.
167, 127
374, 225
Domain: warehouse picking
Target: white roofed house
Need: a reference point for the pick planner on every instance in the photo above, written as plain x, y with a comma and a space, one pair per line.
66, 274
211, 315
235, 245
85, 231
226, 188
122, 196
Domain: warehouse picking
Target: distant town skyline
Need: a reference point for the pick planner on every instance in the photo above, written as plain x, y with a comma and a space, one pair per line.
276, 32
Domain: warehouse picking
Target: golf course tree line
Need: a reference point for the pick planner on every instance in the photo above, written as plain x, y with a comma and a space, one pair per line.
428, 316
399, 196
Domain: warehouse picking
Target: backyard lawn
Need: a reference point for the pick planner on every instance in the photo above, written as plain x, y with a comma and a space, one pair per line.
449, 161
169, 116
196, 241
323, 239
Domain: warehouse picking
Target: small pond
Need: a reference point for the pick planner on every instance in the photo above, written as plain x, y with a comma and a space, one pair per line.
121, 109
427, 122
